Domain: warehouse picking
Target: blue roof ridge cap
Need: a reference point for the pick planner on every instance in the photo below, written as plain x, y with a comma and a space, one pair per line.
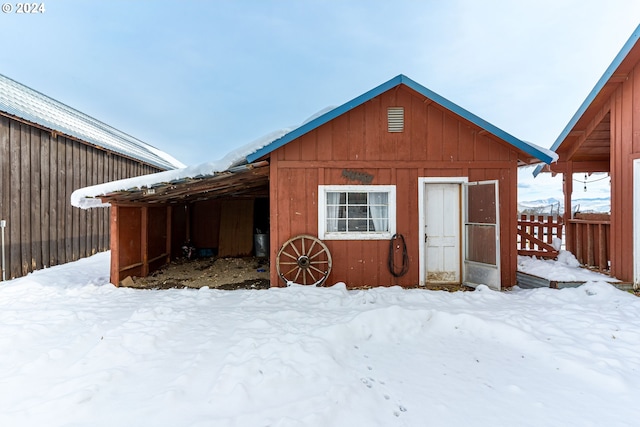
395, 81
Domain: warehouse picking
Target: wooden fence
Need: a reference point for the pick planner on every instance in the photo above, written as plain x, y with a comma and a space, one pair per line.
536, 234
588, 238
39, 170
586, 235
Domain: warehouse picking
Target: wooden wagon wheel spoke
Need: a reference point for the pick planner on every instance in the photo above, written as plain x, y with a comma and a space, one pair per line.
316, 255
311, 247
291, 271
310, 273
295, 248
316, 269
291, 256
304, 259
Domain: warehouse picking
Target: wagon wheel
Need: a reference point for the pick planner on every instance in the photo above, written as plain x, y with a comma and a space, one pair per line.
304, 260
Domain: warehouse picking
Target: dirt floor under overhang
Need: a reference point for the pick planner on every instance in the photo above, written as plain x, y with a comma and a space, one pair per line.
214, 272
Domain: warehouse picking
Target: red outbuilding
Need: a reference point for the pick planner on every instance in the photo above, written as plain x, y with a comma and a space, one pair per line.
398, 186
604, 136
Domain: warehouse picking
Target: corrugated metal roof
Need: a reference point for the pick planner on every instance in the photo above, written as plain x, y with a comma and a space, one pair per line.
23, 102
531, 149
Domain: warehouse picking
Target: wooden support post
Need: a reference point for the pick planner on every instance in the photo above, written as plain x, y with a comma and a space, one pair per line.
144, 240
547, 230
577, 230
560, 226
602, 250
114, 273
590, 246
188, 222
567, 179
168, 239
538, 229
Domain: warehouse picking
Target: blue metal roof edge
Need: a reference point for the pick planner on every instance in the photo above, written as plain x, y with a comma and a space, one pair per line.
630, 43
324, 118
399, 79
516, 142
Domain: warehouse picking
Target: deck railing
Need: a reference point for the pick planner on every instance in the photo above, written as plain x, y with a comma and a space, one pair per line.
536, 234
588, 239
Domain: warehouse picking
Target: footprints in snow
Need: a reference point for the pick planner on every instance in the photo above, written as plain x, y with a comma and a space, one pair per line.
372, 383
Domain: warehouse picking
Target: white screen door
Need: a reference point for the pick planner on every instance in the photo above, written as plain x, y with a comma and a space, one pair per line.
442, 233
482, 234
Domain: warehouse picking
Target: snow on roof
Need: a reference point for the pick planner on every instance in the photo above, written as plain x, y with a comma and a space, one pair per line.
548, 152
33, 106
87, 197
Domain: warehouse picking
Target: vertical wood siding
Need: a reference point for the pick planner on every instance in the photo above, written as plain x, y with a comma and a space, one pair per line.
38, 173
435, 143
625, 147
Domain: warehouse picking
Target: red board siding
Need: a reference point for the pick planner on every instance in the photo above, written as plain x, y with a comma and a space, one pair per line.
625, 147
435, 143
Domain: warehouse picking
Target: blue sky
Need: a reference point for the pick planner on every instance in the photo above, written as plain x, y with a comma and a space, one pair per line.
199, 78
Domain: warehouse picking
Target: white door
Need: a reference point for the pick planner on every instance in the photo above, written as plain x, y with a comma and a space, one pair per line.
482, 234
442, 233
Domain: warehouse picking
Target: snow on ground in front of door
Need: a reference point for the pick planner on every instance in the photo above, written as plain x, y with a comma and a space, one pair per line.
77, 351
565, 269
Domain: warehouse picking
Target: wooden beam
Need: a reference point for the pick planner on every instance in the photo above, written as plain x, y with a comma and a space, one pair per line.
114, 273
602, 249
591, 126
410, 164
580, 167
169, 234
539, 254
567, 180
251, 181
144, 240
531, 238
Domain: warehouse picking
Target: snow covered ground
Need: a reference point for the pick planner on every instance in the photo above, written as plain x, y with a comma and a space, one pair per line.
564, 269
76, 351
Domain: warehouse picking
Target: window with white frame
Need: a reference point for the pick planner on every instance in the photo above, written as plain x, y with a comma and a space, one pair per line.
356, 212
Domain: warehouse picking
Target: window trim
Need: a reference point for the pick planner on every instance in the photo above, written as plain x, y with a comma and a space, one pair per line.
323, 234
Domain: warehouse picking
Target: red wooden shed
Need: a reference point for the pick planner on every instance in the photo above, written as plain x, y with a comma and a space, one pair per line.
604, 136
399, 186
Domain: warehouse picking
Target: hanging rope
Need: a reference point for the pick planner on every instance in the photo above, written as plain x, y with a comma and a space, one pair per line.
589, 182
585, 182
396, 243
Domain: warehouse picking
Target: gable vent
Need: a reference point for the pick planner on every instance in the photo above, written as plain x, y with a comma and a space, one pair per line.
395, 119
